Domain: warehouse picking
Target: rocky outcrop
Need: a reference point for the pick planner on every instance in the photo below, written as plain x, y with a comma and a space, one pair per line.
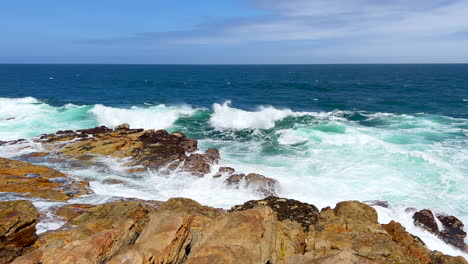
272, 230
38, 181
452, 228
18, 221
142, 150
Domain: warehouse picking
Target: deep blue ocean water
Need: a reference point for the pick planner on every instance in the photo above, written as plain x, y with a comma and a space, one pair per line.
327, 133
410, 88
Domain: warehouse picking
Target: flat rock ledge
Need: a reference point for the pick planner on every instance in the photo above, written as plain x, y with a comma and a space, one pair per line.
273, 230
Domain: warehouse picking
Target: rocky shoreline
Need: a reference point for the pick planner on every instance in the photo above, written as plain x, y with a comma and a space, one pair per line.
271, 230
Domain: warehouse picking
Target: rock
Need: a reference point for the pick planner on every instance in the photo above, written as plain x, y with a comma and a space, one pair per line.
425, 219
71, 211
286, 209
227, 170
453, 232
38, 181
272, 230
92, 237
124, 127
264, 185
18, 221
34, 155
377, 203
235, 179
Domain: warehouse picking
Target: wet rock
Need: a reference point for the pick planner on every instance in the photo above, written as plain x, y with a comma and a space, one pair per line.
377, 203
235, 179
2, 142
453, 232
10, 118
94, 131
264, 185
38, 181
425, 219
305, 214
224, 170
18, 221
124, 127
34, 155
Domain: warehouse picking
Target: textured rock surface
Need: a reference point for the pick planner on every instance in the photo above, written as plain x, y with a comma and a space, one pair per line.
38, 181
183, 231
144, 149
18, 221
452, 228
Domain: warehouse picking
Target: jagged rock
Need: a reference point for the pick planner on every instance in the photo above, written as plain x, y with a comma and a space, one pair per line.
264, 185
200, 164
266, 231
71, 211
92, 237
124, 127
18, 221
425, 219
305, 214
453, 232
38, 181
377, 203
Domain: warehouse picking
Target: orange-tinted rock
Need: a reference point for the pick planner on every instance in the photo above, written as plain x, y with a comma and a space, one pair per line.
18, 221
38, 181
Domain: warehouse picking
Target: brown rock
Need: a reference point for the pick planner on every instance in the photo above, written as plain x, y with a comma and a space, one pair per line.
92, 237
453, 232
425, 219
71, 211
18, 221
35, 155
123, 127
38, 181
286, 209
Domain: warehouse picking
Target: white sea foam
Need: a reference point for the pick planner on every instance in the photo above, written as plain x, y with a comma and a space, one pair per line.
155, 117
227, 117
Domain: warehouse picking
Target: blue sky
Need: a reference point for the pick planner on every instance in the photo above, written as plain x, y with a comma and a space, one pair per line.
228, 31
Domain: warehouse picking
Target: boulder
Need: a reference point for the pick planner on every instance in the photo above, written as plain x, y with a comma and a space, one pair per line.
259, 183
123, 127
18, 221
453, 232
452, 228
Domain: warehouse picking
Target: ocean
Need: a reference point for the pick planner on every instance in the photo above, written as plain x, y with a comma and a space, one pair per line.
327, 133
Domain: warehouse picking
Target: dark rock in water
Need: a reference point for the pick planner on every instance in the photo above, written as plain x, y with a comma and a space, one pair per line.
425, 219
410, 210
18, 221
235, 179
65, 132
96, 130
10, 118
2, 142
453, 232
124, 127
303, 213
266, 186
377, 203
224, 170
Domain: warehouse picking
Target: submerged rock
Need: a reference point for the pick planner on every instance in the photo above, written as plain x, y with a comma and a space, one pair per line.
38, 181
18, 221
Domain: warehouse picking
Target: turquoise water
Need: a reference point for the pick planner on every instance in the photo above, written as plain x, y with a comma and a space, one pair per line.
327, 134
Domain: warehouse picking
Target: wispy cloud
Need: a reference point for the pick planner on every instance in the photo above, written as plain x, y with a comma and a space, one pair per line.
325, 19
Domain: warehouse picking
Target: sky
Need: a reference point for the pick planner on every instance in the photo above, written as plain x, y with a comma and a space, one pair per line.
234, 32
